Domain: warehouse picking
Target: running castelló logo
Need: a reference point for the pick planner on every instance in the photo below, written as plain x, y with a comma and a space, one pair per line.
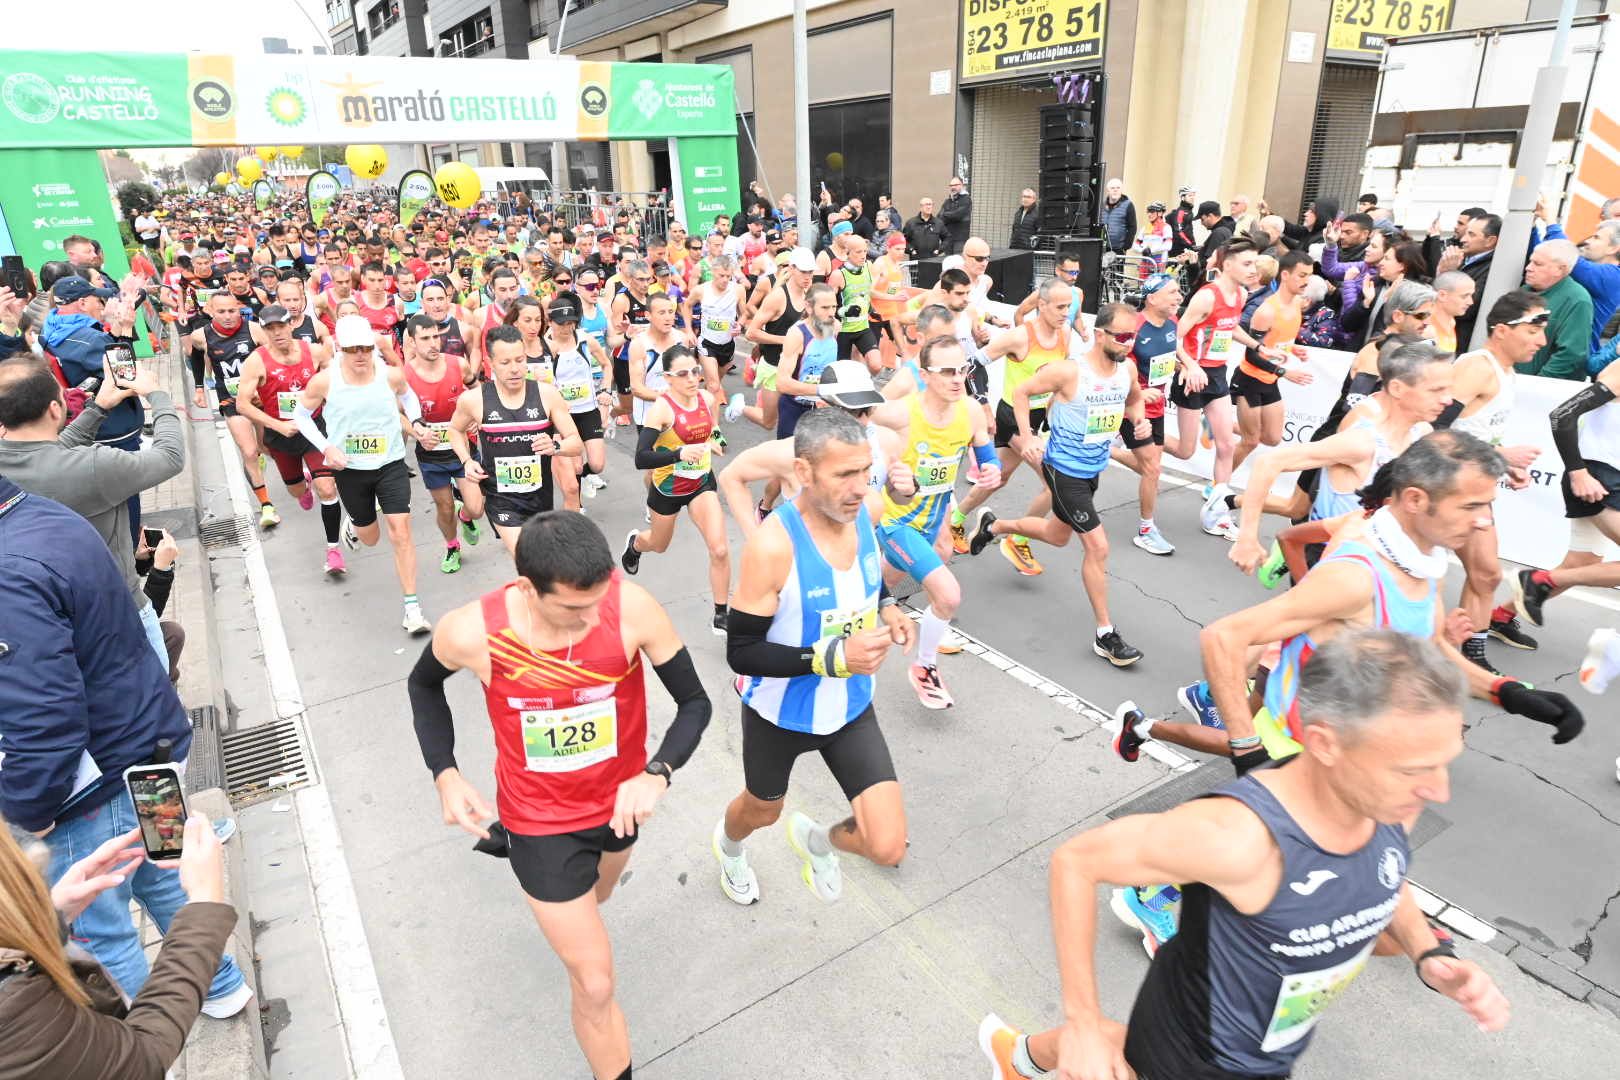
31, 98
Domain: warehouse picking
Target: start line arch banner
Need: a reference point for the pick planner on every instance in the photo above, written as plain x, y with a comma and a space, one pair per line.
109, 100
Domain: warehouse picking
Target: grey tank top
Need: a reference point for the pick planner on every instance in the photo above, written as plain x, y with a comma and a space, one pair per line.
1237, 996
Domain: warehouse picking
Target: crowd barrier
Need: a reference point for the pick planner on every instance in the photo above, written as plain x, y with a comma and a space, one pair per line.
1530, 522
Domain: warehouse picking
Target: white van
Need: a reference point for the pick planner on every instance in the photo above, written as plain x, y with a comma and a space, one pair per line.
500, 183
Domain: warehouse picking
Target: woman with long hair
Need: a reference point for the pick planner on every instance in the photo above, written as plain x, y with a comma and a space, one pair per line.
61, 1016
1400, 262
530, 319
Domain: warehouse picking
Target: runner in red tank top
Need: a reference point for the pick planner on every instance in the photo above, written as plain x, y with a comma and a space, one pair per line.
380, 309
559, 652
273, 377
439, 379
1201, 389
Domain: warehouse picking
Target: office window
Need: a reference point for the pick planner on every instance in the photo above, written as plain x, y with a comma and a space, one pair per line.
849, 149
382, 16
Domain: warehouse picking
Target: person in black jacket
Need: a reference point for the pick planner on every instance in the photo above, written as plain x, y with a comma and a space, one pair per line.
1025, 221
1221, 228
1181, 223
925, 233
955, 214
1473, 257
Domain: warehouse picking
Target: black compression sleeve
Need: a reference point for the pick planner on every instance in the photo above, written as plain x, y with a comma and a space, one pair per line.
692, 709
649, 456
430, 712
1448, 415
195, 358
749, 653
1267, 366
1566, 422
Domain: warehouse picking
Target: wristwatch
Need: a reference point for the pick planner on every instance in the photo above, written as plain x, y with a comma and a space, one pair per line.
659, 768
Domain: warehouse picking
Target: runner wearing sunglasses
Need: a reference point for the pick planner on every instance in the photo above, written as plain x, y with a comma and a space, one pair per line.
1088, 401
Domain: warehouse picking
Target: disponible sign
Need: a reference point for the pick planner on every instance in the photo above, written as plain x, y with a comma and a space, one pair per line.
158, 99
1015, 37
1359, 27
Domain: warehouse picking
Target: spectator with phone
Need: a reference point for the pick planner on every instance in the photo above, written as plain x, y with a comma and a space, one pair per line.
60, 1016
155, 557
12, 339
81, 702
94, 479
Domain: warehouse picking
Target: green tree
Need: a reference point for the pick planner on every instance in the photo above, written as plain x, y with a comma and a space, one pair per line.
137, 198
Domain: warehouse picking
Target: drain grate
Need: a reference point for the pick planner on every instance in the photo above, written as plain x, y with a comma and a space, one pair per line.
204, 769
225, 532
260, 761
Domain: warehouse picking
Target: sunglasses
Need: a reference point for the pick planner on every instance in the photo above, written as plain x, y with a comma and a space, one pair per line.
1538, 319
953, 372
1422, 316
1122, 339
590, 284
685, 373
1067, 273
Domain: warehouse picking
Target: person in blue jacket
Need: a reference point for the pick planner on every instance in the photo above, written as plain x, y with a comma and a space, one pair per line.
82, 698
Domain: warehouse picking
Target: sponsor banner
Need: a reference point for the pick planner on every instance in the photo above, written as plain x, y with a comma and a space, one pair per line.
175, 99
47, 196
706, 180
415, 189
262, 193
319, 191
1358, 27
1002, 38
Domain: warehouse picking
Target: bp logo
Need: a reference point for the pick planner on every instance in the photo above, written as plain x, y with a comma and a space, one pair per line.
31, 98
647, 99
212, 98
593, 99
285, 106
1391, 867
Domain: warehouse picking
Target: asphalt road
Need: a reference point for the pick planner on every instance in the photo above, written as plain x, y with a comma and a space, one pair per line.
895, 977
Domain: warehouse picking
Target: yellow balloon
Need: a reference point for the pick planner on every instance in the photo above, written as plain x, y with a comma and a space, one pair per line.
266, 153
835, 161
457, 183
366, 161
291, 151
222, 178
249, 169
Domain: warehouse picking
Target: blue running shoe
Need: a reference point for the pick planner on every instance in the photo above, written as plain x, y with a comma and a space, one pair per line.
1196, 700
1152, 910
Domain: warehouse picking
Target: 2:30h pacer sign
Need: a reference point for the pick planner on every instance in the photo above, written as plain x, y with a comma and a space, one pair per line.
1015, 37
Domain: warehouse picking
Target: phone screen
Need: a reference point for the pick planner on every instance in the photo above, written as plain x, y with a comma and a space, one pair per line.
160, 807
121, 358
154, 537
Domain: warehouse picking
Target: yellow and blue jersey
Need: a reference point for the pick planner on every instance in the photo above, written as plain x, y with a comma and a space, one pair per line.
934, 453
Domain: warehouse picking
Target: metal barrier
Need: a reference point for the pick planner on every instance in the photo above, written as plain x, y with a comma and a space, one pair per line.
1122, 275
649, 214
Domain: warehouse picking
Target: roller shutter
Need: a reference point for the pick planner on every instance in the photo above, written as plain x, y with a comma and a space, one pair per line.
1006, 153
1344, 109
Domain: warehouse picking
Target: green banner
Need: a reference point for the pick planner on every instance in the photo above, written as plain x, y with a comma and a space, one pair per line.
321, 188
655, 100
95, 99
262, 193
47, 196
415, 189
706, 180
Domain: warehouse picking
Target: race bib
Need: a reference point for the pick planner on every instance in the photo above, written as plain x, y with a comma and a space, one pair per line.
1104, 414
573, 392
717, 326
693, 470
1303, 996
287, 403
1162, 368
836, 622
441, 432
232, 383
540, 371
1220, 344
365, 445
1039, 401
567, 740
516, 475
936, 475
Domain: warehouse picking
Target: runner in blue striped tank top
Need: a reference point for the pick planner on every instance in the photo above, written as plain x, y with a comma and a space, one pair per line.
810, 623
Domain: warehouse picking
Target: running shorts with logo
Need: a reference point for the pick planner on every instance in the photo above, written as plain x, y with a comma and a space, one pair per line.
1217, 388
856, 754
1603, 473
934, 453
1253, 392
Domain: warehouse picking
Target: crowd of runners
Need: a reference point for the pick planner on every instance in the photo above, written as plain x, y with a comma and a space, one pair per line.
482, 364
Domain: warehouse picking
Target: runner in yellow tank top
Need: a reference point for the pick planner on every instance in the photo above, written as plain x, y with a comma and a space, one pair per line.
935, 425
1027, 347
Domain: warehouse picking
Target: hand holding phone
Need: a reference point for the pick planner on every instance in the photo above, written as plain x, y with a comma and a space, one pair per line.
160, 809
120, 357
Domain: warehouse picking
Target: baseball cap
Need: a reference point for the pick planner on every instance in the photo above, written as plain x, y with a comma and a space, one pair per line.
564, 309
1209, 206
952, 262
773, 236
847, 384
353, 331
419, 269
895, 240
802, 259
275, 313
755, 219
74, 287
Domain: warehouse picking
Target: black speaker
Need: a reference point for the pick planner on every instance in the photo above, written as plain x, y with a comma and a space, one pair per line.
1012, 274
1058, 156
1068, 122
1069, 185
1066, 218
1089, 250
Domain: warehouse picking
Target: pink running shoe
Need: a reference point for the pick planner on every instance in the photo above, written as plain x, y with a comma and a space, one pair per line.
306, 501
334, 563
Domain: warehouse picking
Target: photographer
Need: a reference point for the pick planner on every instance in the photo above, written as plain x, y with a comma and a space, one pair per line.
60, 1017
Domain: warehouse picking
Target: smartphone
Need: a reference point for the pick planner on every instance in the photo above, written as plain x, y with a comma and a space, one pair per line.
160, 808
16, 277
121, 359
154, 537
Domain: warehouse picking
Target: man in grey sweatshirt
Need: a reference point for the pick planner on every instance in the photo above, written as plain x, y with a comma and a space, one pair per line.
67, 465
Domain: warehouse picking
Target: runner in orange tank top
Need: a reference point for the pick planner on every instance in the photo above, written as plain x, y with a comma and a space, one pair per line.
1255, 387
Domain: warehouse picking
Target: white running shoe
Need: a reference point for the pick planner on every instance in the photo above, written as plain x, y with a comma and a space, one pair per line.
820, 872
414, 622
734, 407
1153, 542
1602, 663
1223, 527
351, 539
737, 878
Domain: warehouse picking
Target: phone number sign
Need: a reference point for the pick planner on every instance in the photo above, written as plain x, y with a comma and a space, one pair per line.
1360, 26
1013, 37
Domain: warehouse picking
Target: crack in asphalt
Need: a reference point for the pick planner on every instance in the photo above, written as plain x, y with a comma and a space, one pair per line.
1583, 948
1545, 780
1151, 596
